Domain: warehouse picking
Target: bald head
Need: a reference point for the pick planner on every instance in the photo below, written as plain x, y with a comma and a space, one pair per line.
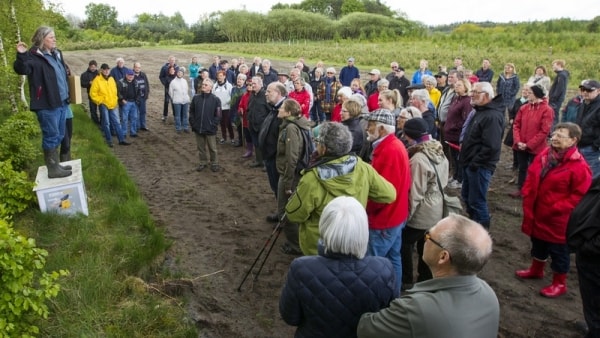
469, 243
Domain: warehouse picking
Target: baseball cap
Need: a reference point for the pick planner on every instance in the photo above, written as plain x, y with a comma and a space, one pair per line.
129, 72
440, 74
590, 85
375, 72
382, 115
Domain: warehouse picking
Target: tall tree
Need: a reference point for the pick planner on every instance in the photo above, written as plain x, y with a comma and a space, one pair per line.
100, 15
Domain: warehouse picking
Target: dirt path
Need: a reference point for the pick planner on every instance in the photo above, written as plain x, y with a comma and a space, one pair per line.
216, 223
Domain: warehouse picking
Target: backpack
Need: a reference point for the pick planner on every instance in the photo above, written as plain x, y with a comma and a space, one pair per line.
307, 149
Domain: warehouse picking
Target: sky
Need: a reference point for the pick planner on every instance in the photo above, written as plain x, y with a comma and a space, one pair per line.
433, 12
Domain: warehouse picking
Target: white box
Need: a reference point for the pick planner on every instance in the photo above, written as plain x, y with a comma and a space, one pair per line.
66, 195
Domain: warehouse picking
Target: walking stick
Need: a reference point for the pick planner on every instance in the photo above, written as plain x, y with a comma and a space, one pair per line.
276, 231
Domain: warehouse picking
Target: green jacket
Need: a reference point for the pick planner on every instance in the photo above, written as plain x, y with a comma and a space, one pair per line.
289, 149
446, 307
344, 176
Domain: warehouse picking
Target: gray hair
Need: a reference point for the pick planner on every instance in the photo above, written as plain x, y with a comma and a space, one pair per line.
336, 137
383, 82
242, 76
388, 128
279, 87
486, 87
40, 34
344, 227
258, 80
421, 95
428, 79
469, 244
411, 112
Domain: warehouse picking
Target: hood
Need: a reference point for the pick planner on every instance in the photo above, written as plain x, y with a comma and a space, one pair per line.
299, 121
432, 149
337, 175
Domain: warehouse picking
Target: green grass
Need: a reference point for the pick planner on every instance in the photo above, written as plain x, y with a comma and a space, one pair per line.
117, 240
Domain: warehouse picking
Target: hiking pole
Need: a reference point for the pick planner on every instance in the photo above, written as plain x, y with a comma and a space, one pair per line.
276, 231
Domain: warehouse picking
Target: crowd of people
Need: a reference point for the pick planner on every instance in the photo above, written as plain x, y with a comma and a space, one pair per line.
384, 151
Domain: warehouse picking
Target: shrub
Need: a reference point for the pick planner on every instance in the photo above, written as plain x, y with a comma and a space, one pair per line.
16, 135
16, 193
25, 286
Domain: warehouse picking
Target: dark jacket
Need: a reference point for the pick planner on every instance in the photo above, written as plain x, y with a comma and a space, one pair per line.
482, 143
128, 91
588, 118
485, 75
43, 88
583, 229
269, 133
325, 295
508, 88
205, 113
400, 83
558, 90
269, 78
347, 74
86, 79
164, 76
358, 134
258, 109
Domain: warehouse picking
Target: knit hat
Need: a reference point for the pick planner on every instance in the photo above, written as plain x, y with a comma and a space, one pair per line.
538, 91
415, 128
382, 115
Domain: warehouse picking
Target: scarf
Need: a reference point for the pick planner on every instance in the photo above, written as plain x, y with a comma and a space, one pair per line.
553, 159
328, 84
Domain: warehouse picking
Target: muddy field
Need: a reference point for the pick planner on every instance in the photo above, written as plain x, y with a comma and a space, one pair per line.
217, 224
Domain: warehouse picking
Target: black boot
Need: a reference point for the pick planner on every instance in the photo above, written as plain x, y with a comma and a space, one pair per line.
64, 158
54, 170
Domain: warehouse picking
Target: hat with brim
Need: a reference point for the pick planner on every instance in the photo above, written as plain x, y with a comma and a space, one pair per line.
383, 116
589, 85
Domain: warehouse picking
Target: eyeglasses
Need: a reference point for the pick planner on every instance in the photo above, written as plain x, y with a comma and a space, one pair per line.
428, 238
586, 90
475, 92
557, 135
329, 72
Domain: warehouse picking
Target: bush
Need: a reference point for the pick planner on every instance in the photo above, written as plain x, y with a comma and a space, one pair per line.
25, 286
16, 136
16, 193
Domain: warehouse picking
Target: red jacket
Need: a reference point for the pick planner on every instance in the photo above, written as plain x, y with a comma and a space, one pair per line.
303, 98
243, 108
549, 201
336, 113
373, 101
532, 126
390, 160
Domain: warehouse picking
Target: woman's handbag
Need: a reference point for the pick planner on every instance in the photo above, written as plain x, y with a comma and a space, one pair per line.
452, 204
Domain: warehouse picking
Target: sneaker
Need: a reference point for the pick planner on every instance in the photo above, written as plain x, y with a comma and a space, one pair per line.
144, 129
124, 143
164, 119
200, 167
215, 168
233, 142
134, 135
110, 145
222, 141
455, 185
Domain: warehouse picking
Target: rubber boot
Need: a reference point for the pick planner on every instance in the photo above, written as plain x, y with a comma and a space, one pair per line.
54, 170
64, 158
249, 147
557, 288
535, 271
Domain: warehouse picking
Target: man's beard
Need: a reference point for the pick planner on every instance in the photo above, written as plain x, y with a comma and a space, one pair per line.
372, 137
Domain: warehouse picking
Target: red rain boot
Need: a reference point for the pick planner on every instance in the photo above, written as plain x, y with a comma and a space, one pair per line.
535, 271
558, 286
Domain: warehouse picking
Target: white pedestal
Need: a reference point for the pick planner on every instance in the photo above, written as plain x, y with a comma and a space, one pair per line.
65, 195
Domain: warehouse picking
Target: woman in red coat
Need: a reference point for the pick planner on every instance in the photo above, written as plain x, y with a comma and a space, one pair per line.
302, 96
531, 128
556, 181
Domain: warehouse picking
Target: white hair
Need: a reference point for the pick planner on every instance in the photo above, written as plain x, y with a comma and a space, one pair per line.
388, 128
344, 227
345, 91
331, 70
486, 87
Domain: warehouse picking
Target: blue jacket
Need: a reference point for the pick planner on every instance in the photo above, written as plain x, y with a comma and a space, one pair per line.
205, 113
347, 74
325, 295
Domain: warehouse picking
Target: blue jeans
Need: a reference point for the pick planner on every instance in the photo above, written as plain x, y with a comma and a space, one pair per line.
592, 157
475, 186
181, 115
141, 105
559, 253
129, 111
94, 111
388, 243
52, 124
588, 272
110, 117
316, 114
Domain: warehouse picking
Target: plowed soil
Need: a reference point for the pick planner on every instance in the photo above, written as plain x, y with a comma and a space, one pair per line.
217, 224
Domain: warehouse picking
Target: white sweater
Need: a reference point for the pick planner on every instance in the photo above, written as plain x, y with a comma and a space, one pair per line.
178, 91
